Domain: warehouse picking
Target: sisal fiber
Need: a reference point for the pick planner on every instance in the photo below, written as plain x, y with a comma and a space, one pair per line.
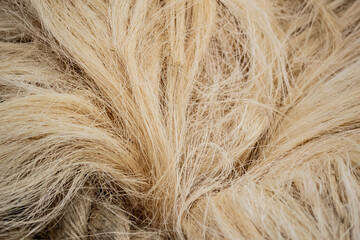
180, 119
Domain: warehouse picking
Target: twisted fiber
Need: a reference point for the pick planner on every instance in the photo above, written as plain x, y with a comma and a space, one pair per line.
183, 119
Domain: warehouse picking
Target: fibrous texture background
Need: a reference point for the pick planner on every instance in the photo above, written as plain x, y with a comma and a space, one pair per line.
192, 119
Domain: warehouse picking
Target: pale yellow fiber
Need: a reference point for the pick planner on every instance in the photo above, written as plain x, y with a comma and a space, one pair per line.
180, 119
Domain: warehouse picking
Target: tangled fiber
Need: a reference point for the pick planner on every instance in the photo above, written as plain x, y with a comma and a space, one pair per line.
182, 119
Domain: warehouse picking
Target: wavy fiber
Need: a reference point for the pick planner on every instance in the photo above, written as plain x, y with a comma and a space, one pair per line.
183, 119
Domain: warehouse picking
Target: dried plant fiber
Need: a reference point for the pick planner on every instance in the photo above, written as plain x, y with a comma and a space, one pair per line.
180, 119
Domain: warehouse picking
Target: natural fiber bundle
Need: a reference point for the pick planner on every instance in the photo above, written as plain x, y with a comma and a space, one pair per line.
182, 119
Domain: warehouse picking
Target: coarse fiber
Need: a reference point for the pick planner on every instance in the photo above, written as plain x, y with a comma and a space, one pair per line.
180, 119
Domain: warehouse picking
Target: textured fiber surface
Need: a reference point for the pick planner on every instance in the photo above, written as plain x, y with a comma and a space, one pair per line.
191, 119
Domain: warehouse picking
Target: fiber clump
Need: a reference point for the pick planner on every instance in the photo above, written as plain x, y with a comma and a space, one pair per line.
191, 119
